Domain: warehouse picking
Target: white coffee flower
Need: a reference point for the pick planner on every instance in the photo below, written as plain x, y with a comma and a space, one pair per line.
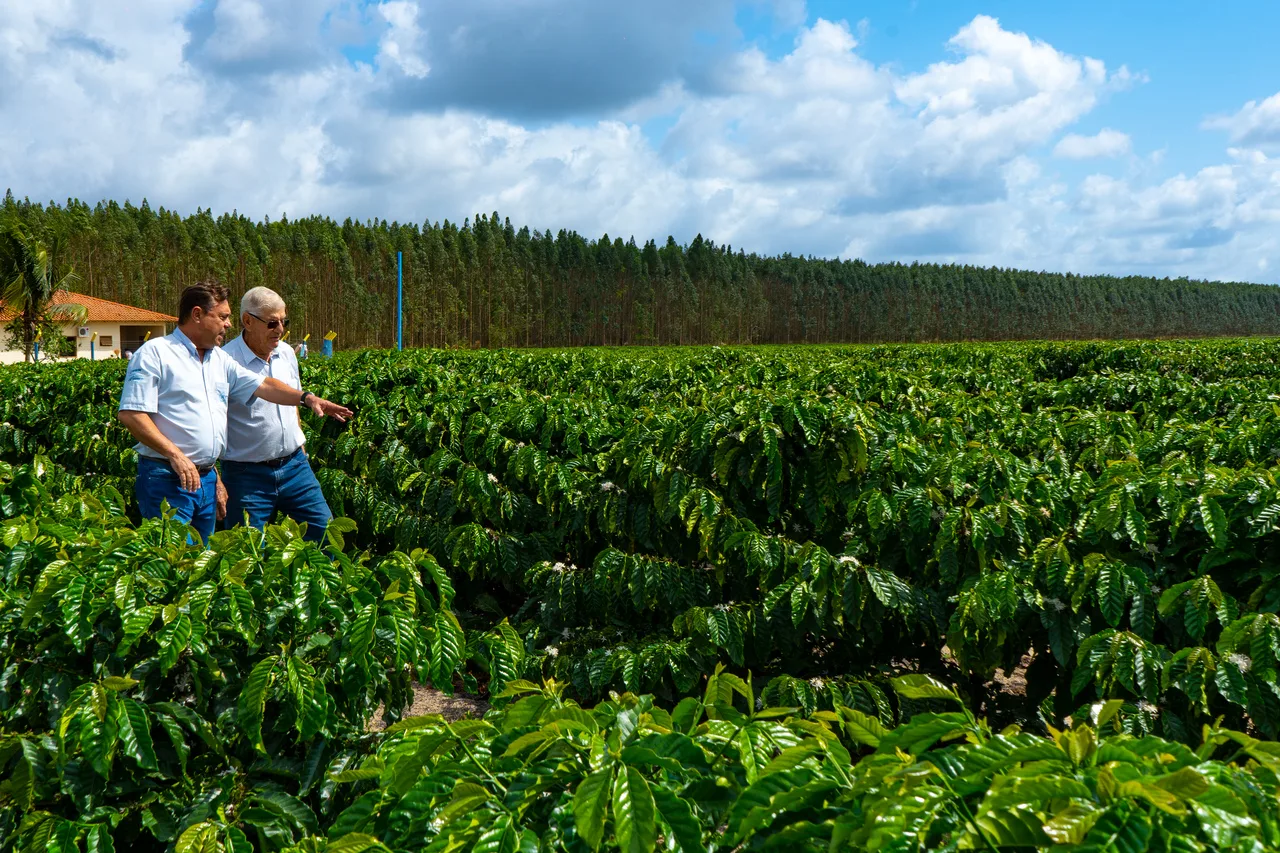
1242, 662
492, 479
552, 651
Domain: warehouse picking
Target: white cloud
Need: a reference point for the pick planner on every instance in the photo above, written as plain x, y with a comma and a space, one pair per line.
1104, 143
816, 151
1255, 124
396, 47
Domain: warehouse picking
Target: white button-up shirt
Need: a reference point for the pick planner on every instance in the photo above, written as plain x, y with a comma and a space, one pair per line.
186, 397
258, 430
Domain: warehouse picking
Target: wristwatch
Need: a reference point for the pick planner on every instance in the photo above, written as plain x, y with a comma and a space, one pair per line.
303, 400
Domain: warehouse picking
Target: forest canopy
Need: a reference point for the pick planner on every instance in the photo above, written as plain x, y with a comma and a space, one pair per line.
487, 283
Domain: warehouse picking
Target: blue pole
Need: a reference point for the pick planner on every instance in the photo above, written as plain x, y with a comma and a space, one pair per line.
37, 355
92, 357
399, 300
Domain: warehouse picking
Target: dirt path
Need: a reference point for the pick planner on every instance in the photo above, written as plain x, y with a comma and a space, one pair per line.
428, 700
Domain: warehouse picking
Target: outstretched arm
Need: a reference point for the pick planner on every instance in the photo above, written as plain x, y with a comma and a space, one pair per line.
274, 391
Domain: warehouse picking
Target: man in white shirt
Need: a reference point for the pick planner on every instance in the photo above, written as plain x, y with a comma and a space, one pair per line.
265, 465
174, 403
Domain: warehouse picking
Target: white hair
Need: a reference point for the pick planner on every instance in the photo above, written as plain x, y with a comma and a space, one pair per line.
260, 300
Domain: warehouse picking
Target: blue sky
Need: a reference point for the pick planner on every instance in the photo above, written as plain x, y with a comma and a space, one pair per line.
1120, 138
1200, 58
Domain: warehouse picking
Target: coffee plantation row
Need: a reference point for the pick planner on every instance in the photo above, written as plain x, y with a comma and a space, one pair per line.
161, 696
873, 535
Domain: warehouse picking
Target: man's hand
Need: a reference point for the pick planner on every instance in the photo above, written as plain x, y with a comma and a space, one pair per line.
324, 408
274, 391
221, 496
188, 476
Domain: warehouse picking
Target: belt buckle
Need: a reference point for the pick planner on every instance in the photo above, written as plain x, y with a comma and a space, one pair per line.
279, 461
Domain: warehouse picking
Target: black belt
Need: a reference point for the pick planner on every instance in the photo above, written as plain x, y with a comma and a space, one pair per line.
270, 463
200, 469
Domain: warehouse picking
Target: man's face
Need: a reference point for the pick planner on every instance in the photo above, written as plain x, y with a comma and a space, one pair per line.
211, 326
262, 331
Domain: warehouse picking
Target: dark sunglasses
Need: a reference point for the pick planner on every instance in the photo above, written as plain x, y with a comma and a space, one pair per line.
271, 324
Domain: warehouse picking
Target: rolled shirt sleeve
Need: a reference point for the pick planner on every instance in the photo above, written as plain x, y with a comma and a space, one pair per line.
243, 384
142, 382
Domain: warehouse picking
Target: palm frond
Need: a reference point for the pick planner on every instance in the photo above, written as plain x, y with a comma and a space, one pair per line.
67, 313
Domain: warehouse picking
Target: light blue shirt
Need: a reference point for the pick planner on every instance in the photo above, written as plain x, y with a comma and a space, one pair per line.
186, 397
258, 430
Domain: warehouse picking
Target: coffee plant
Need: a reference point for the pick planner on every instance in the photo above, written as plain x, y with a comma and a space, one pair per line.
146, 683
1070, 537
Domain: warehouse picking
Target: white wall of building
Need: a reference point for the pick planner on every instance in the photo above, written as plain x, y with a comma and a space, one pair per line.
100, 349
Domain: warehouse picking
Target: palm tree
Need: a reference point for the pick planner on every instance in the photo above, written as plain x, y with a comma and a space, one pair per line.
29, 283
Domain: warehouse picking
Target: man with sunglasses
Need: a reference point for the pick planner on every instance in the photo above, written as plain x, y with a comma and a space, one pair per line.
175, 399
265, 466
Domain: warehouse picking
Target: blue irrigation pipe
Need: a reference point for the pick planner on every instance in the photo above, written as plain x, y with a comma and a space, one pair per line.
399, 300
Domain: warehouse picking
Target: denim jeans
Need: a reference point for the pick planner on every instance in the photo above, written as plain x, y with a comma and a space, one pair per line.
156, 482
260, 490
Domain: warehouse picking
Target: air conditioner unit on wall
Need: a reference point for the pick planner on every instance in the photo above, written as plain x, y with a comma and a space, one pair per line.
84, 331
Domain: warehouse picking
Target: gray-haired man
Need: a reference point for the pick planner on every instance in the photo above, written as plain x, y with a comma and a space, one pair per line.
265, 466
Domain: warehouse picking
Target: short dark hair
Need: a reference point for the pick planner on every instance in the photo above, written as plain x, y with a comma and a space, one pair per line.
203, 295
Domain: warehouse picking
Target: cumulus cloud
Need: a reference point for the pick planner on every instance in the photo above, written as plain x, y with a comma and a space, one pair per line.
1256, 124
1104, 143
396, 47
548, 59
611, 118
251, 38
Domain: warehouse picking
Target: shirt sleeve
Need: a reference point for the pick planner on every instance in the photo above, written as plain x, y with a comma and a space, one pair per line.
297, 371
142, 382
242, 383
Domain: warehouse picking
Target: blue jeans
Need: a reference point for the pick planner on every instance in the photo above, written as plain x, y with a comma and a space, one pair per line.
260, 490
157, 482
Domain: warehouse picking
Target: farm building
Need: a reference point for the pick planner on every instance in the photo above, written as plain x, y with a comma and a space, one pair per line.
118, 327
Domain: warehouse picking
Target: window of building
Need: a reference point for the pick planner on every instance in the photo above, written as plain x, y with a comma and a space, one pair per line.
104, 340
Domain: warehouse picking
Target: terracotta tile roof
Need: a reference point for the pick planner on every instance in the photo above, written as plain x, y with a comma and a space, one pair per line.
102, 310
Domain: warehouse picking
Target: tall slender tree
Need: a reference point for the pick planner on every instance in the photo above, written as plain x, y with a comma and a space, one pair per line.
30, 282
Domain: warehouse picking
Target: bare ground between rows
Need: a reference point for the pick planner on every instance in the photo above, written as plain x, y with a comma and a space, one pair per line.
1013, 683
428, 700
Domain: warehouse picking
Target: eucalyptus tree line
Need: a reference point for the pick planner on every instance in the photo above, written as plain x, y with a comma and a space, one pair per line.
487, 283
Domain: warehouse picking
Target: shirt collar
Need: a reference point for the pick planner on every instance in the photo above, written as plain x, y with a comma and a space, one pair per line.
182, 339
274, 353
